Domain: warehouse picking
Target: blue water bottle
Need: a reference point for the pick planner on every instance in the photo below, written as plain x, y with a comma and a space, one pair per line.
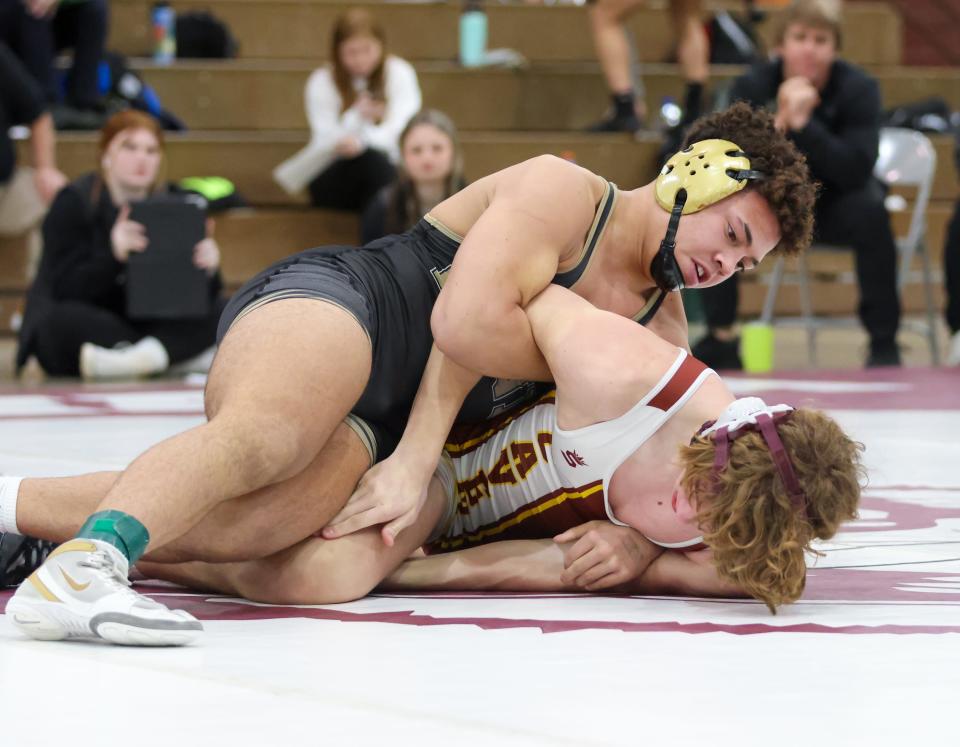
164, 23
473, 34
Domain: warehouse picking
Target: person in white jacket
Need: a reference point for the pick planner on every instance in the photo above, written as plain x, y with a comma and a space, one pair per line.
357, 106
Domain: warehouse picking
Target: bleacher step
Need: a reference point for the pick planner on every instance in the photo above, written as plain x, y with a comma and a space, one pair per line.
282, 29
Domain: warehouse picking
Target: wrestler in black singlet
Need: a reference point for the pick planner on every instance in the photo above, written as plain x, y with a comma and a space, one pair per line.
390, 286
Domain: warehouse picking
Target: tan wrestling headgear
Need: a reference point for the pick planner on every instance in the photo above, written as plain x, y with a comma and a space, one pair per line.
696, 177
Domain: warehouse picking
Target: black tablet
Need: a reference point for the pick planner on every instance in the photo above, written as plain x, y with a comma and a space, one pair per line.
162, 281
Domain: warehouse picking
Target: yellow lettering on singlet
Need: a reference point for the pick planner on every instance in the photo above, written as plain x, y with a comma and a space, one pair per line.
471, 492
440, 276
544, 439
502, 472
524, 457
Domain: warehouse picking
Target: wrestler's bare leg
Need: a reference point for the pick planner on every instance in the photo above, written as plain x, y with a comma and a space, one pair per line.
284, 378
316, 571
250, 526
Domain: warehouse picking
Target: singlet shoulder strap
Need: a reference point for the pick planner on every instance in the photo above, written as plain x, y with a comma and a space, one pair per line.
608, 444
651, 307
600, 219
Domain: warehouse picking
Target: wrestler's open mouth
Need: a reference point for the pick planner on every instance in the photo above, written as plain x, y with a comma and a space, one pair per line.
701, 273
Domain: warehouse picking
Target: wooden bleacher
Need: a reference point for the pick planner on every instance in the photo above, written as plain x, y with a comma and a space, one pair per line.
268, 95
246, 115
421, 31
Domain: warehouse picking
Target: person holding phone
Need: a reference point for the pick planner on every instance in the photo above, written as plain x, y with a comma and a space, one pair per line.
75, 321
357, 107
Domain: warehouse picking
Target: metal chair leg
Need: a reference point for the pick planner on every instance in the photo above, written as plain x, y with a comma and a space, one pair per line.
931, 312
806, 309
770, 301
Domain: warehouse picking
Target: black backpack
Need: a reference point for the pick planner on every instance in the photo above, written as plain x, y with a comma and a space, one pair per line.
200, 34
123, 88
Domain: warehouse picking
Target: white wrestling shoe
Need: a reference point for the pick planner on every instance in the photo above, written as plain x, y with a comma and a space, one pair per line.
82, 592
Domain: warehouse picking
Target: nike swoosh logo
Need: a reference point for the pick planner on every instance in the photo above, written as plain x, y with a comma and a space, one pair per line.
73, 584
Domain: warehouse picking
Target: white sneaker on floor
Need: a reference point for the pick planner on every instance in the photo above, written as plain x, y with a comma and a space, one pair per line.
953, 350
144, 358
82, 592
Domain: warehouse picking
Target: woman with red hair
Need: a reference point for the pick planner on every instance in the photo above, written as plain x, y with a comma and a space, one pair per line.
76, 320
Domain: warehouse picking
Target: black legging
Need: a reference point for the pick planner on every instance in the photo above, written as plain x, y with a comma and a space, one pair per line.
350, 183
857, 219
81, 27
951, 267
69, 324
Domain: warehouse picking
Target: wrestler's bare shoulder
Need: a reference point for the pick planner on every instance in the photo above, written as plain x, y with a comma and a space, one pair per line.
546, 182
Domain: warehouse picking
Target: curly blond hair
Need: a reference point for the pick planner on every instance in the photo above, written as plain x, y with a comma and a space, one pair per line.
758, 537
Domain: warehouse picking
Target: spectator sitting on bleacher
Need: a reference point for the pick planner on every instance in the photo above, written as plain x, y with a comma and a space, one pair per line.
25, 193
37, 30
357, 106
75, 320
831, 110
430, 170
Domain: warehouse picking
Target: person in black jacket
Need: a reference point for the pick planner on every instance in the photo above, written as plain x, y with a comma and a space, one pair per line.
831, 110
75, 320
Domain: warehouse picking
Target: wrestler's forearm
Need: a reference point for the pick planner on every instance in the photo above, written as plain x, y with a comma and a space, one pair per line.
443, 387
520, 565
675, 574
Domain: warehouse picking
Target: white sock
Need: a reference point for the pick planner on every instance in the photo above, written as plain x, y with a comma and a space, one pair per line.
143, 358
9, 492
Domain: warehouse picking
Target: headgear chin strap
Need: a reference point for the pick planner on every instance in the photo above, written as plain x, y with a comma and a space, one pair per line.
753, 414
695, 178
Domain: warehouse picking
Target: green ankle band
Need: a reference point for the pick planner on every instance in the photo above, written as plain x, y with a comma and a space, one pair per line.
121, 530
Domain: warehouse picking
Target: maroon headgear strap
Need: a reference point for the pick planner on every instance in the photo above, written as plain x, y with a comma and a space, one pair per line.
766, 425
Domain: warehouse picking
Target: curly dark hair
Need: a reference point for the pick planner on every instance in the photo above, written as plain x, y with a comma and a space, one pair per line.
788, 187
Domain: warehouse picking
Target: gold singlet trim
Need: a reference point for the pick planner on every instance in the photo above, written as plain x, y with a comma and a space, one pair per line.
651, 304
443, 228
284, 295
601, 219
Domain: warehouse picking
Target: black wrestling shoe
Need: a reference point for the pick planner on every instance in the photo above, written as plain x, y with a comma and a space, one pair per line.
20, 556
614, 123
720, 355
883, 355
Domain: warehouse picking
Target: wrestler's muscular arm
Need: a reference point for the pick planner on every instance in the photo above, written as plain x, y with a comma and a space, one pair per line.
393, 492
601, 362
678, 573
538, 212
538, 565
